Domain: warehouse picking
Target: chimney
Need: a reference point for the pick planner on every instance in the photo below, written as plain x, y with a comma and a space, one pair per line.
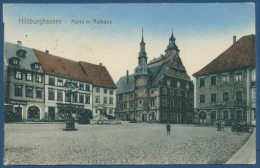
19, 43
127, 80
100, 64
47, 51
234, 39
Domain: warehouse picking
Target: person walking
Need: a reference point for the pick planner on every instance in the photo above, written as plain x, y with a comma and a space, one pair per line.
168, 128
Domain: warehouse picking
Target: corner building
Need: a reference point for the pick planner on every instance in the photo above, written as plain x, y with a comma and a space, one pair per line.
160, 90
225, 89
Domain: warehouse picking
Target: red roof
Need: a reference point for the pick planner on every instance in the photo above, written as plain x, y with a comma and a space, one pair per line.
62, 67
98, 75
240, 55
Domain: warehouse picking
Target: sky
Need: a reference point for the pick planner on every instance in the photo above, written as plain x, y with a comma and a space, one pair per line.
202, 31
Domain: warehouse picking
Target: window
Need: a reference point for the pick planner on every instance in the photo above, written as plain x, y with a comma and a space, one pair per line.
164, 102
87, 87
225, 114
105, 100
51, 94
29, 76
36, 66
186, 94
87, 99
81, 86
51, 81
253, 75
29, 91
239, 114
60, 82
97, 99
39, 78
172, 117
117, 97
18, 91
239, 96
105, 90
110, 101
172, 103
143, 90
178, 84
179, 104
168, 83
172, 92
15, 61
110, 111
238, 76
152, 103
178, 93
253, 94
97, 89
124, 105
202, 82
165, 116
225, 78
202, 98
140, 102
75, 97
38, 93
191, 94
164, 91
131, 95
213, 115
225, 96
124, 96
111, 91
152, 91
213, 97
18, 75
59, 95
81, 98
187, 85
131, 105
67, 97
213, 80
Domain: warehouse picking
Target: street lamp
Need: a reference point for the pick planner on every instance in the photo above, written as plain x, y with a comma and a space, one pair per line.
71, 88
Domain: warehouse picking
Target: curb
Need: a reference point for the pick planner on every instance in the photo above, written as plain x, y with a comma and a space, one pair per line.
232, 160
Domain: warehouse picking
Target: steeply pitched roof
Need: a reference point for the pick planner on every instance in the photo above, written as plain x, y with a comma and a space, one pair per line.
10, 50
62, 67
123, 87
239, 55
98, 75
158, 72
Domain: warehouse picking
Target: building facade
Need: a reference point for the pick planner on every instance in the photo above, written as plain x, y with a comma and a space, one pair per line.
23, 83
104, 88
225, 89
160, 90
58, 73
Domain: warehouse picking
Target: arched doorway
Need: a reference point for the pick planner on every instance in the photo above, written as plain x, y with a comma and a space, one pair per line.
144, 117
33, 112
127, 117
189, 118
202, 117
151, 116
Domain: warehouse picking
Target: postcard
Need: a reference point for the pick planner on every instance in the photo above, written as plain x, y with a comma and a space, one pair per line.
129, 84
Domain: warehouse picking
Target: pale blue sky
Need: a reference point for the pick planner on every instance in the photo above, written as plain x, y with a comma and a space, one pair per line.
202, 31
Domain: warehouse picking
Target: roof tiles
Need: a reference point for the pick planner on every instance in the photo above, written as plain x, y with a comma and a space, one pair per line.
239, 55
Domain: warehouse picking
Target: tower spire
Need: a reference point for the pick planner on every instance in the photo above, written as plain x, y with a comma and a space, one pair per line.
142, 37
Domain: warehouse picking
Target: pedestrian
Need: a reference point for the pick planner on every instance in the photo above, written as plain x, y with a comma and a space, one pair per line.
168, 128
218, 126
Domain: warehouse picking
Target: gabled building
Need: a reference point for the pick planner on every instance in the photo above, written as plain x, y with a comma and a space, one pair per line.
104, 88
23, 83
58, 72
225, 89
160, 90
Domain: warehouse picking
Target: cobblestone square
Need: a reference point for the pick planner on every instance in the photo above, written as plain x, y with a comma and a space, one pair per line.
138, 143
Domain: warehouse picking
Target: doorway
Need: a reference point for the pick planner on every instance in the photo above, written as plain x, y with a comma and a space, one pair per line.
178, 118
51, 113
18, 113
144, 117
202, 117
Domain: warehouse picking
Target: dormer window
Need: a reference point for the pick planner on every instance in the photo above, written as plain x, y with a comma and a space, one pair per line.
21, 53
35, 65
14, 61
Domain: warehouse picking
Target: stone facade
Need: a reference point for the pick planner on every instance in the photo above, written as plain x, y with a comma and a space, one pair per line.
160, 90
227, 94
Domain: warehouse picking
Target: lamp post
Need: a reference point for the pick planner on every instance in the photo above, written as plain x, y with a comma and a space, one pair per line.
70, 121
